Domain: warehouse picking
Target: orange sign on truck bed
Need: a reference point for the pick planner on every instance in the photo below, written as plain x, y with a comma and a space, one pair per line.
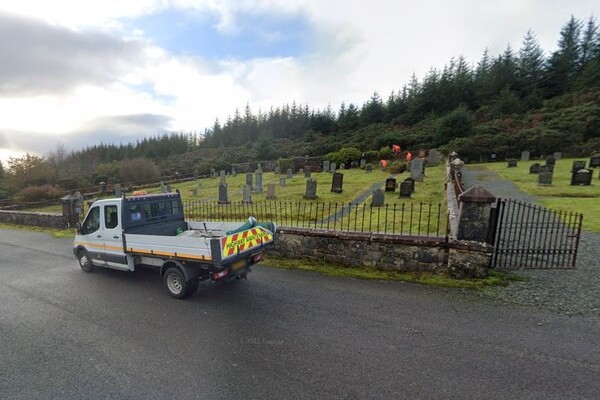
242, 241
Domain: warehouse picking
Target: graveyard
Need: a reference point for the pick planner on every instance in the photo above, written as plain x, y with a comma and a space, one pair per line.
560, 194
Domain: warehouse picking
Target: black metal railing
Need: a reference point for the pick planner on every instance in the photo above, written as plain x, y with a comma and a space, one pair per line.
418, 219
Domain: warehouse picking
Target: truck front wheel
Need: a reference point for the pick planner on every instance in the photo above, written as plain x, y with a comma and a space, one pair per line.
85, 262
177, 285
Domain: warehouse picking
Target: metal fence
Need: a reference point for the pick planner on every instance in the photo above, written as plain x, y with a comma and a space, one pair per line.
418, 219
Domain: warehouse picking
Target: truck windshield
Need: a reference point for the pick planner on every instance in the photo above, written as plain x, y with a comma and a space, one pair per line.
92, 222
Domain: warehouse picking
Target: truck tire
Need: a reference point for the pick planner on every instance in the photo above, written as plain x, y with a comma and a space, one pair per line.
176, 284
85, 262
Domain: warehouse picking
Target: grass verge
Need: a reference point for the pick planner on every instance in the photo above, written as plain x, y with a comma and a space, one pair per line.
495, 278
57, 233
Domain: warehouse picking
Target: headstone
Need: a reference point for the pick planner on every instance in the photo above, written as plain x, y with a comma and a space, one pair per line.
258, 187
544, 178
247, 194
390, 185
163, 188
103, 187
433, 158
363, 162
369, 167
326, 166
332, 167
277, 170
271, 191
342, 166
595, 160
307, 174
406, 189
233, 171
416, 170
525, 155
196, 174
378, 198
311, 189
353, 164
301, 171
282, 182
222, 175
547, 167
512, 163
557, 155
582, 177
577, 165
259, 168
550, 160
213, 173
249, 179
169, 189
493, 157
117, 190
290, 173
223, 198
534, 168
194, 192
337, 183
411, 184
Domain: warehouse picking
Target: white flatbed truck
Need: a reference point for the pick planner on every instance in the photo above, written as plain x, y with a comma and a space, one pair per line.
150, 230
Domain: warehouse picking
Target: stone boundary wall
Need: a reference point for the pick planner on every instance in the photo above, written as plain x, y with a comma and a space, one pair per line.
266, 166
460, 259
44, 220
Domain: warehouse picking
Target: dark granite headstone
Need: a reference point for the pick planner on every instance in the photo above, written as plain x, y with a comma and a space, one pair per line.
390, 185
595, 160
378, 198
249, 179
247, 194
550, 160
582, 177
577, 165
545, 178
535, 168
406, 189
369, 168
223, 198
512, 163
258, 187
337, 183
311, 189
411, 182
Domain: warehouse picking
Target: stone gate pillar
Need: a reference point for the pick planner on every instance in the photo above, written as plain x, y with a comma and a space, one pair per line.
69, 210
474, 215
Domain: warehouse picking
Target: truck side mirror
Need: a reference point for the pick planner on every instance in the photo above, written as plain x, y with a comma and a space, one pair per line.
78, 227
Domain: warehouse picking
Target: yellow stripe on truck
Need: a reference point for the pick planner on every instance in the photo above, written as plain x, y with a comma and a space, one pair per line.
245, 240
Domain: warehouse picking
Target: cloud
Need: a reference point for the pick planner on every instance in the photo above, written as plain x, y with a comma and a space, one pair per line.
38, 58
3, 141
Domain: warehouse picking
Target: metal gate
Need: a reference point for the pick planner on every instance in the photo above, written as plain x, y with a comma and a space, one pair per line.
526, 235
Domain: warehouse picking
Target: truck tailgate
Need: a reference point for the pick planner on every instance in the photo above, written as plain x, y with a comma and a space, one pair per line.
247, 241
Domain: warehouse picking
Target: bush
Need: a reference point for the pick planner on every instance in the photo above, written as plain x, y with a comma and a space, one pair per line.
139, 170
41, 193
345, 155
285, 163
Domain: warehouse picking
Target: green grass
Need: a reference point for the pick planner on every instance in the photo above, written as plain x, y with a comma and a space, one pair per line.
560, 196
57, 233
495, 278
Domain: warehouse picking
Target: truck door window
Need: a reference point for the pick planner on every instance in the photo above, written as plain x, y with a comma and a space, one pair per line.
92, 222
111, 217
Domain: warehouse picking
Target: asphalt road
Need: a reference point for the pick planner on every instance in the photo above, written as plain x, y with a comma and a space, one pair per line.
65, 334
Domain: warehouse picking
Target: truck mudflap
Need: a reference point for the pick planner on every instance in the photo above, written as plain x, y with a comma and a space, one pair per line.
228, 248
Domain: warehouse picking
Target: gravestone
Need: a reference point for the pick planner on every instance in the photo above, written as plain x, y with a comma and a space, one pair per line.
363, 162
369, 168
582, 177
223, 198
103, 187
213, 173
342, 166
547, 167
281, 182
332, 167
163, 188
577, 165
307, 174
493, 157
378, 198
117, 190
545, 178
433, 158
233, 172
535, 168
411, 182
557, 155
406, 189
525, 155
247, 194
259, 168
249, 179
416, 170
258, 187
353, 164
595, 160
550, 161
271, 191
301, 171
290, 173
196, 174
337, 183
222, 175
277, 170
512, 163
390, 185
326, 166
169, 189
311, 189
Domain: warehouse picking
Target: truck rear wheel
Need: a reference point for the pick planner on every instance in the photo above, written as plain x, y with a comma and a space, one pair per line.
177, 285
85, 262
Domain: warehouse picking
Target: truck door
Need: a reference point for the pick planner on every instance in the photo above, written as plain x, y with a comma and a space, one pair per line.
113, 238
91, 236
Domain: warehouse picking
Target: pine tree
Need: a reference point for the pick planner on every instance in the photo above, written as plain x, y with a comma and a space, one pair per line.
530, 65
564, 62
589, 43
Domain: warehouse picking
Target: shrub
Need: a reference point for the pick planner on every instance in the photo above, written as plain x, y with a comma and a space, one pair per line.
41, 193
139, 170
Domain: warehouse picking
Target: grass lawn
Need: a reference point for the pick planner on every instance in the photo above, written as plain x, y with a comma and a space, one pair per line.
560, 195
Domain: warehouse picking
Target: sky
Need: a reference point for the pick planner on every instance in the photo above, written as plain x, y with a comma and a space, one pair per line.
78, 72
